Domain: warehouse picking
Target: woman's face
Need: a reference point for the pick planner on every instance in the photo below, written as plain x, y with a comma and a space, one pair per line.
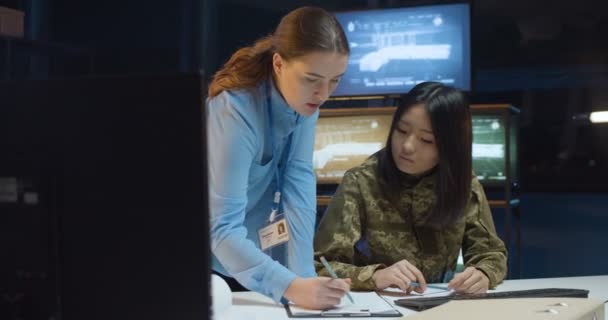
307, 81
413, 143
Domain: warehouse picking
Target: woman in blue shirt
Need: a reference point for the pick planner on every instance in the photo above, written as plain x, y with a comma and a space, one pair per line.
262, 109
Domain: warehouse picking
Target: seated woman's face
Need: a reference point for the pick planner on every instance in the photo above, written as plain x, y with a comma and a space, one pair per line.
413, 143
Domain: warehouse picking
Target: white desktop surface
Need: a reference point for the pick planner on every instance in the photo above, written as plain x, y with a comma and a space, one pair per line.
252, 305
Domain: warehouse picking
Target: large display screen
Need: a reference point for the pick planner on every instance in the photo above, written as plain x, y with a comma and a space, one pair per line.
394, 49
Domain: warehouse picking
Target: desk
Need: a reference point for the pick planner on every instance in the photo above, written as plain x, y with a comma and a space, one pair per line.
251, 305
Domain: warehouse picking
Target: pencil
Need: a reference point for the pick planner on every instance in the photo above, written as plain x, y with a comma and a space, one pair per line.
334, 275
416, 284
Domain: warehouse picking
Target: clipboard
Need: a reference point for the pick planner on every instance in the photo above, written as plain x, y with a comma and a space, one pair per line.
367, 305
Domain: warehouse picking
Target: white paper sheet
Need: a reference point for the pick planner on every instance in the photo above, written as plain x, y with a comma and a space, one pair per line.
366, 303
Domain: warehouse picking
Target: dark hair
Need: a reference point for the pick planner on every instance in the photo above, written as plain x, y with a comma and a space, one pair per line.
300, 32
450, 117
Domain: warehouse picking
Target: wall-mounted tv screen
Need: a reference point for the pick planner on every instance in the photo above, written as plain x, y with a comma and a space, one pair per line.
392, 50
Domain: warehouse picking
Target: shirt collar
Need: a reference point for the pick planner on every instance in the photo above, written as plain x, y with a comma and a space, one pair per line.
283, 116
424, 179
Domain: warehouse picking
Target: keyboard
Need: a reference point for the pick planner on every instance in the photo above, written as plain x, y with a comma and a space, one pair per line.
424, 303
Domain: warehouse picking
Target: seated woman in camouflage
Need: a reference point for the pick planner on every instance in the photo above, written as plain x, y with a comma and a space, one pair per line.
405, 213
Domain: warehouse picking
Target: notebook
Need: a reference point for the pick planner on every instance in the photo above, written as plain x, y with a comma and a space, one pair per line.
367, 304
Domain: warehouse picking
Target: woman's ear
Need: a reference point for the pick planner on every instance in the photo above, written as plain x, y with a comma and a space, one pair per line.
277, 63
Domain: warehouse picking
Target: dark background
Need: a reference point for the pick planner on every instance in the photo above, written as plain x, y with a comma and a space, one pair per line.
547, 58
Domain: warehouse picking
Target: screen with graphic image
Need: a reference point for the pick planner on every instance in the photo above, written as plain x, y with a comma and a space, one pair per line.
489, 147
346, 137
392, 50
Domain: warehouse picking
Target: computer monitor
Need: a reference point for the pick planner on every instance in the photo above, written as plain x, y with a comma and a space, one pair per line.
392, 50
122, 165
495, 140
344, 138
489, 147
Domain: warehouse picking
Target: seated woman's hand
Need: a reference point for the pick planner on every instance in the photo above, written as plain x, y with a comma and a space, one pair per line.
317, 293
471, 280
400, 275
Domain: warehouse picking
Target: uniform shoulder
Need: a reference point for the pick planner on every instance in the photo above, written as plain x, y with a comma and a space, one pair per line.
367, 170
477, 191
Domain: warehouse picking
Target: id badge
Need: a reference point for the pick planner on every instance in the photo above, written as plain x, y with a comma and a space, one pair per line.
273, 234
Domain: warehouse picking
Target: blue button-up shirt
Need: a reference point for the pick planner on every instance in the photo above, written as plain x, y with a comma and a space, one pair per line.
242, 183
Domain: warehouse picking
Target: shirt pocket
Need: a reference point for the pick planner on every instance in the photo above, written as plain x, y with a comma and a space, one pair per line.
259, 171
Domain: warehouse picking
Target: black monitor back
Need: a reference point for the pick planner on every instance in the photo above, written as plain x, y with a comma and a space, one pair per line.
122, 165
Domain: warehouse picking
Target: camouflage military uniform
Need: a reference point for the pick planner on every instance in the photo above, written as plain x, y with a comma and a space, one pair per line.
360, 211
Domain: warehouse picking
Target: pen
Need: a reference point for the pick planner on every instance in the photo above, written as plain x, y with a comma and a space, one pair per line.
416, 284
334, 275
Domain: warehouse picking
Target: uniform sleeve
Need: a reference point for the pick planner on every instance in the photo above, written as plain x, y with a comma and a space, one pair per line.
299, 199
339, 231
229, 163
482, 248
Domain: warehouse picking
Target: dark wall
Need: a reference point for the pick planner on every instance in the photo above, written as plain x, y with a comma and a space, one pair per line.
127, 36
564, 234
116, 36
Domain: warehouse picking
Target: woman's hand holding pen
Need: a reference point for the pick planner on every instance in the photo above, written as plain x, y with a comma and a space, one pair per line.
400, 274
471, 280
317, 293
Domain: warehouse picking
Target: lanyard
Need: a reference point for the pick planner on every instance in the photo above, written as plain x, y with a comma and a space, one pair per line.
278, 175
